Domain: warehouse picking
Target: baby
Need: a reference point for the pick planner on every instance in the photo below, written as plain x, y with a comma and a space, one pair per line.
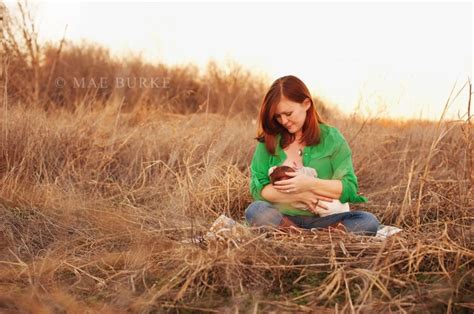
335, 207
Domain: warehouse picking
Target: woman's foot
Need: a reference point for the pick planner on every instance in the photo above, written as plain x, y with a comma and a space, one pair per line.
287, 225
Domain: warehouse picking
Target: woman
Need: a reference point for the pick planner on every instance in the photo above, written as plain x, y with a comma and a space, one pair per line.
292, 133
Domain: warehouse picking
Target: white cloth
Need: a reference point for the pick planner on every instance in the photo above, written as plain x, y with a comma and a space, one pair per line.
387, 231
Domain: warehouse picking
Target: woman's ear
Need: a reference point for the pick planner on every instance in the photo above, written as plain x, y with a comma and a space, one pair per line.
307, 103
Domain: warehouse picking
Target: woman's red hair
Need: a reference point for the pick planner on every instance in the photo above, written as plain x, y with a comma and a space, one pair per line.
293, 89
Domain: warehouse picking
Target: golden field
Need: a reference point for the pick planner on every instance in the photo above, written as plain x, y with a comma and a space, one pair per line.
99, 186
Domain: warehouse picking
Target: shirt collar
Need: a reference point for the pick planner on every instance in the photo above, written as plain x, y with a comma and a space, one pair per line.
315, 151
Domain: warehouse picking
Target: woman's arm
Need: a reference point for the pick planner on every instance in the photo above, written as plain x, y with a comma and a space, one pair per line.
303, 183
309, 198
344, 181
329, 188
273, 195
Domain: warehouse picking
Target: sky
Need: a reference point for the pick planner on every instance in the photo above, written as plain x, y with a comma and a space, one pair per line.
399, 60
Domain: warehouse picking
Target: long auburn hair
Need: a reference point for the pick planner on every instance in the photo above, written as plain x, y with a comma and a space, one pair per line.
293, 89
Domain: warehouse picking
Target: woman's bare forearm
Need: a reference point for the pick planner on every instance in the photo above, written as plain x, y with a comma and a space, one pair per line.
328, 188
273, 195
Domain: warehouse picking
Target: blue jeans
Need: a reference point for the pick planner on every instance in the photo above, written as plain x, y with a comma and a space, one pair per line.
261, 213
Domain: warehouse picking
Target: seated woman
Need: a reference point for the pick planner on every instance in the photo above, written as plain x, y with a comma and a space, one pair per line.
291, 133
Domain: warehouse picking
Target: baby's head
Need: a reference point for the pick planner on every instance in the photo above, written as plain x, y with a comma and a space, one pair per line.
278, 173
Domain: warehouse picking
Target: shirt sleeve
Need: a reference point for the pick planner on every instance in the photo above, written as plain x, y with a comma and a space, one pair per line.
259, 171
344, 171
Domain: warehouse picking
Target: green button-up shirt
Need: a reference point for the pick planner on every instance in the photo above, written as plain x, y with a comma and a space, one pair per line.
332, 159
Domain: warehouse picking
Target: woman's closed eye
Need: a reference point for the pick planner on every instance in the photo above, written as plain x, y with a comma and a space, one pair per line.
287, 114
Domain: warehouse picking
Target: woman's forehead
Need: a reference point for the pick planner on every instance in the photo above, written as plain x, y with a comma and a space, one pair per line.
285, 105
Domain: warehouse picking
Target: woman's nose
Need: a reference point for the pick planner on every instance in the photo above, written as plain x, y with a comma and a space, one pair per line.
284, 120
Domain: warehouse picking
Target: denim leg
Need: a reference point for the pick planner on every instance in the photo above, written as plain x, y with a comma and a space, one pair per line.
362, 222
355, 221
261, 213
308, 222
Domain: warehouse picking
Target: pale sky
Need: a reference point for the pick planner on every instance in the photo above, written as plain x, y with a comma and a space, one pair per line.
404, 57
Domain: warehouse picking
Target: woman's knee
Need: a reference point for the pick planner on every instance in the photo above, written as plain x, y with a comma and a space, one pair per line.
261, 213
255, 208
371, 223
365, 223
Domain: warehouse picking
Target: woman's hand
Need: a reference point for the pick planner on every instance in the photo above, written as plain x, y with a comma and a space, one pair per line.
313, 201
299, 183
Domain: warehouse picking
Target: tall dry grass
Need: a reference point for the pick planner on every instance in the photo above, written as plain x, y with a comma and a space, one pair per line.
97, 194
95, 204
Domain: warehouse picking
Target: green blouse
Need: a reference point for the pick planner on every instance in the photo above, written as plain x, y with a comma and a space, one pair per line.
332, 159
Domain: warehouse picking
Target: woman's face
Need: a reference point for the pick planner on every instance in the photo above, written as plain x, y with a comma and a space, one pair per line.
291, 114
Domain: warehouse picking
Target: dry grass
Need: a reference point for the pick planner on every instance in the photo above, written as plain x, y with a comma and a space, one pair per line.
95, 204
96, 195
